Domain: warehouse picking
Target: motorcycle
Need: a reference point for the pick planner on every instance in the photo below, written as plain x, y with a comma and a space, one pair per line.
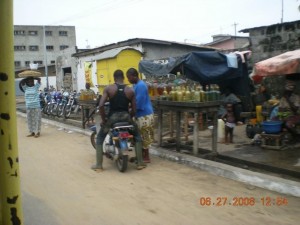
72, 105
62, 104
117, 143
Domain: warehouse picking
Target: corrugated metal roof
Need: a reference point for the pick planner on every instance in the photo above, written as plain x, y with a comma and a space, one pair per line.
112, 53
135, 41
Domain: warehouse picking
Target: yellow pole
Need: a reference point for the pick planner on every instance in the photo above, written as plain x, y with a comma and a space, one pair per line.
10, 194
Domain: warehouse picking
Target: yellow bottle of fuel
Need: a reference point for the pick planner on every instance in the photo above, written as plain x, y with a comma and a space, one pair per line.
179, 94
197, 96
188, 94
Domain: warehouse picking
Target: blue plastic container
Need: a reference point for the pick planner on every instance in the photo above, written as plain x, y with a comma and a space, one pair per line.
272, 127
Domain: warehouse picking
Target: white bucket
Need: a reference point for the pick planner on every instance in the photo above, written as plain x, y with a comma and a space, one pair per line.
221, 130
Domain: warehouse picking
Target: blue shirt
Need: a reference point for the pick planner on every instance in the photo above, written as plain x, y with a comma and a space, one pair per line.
32, 96
143, 102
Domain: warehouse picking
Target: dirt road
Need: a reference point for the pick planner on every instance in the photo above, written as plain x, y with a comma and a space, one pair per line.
59, 188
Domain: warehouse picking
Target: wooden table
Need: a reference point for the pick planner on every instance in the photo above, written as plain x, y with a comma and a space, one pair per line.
194, 107
87, 104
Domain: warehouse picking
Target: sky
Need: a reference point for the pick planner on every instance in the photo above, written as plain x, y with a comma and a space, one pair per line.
102, 22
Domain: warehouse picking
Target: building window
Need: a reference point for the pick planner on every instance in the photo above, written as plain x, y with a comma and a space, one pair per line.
52, 62
48, 33
49, 47
38, 62
62, 47
33, 48
17, 63
19, 32
27, 63
33, 32
63, 33
20, 48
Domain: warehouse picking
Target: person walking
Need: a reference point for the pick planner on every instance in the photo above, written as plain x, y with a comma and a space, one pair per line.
144, 111
121, 98
88, 91
33, 107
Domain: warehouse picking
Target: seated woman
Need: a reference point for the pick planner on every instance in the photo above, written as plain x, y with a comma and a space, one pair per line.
289, 108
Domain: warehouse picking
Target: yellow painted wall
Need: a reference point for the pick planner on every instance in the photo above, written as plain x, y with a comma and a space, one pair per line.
123, 61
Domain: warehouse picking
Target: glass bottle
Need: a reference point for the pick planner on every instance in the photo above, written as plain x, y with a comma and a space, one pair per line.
202, 95
165, 94
188, 94
173, 94
218, 93
197, 96
207, 94
179, 94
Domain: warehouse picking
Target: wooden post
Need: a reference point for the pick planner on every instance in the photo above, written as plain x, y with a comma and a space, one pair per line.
185, 126
159, 129
10, 194
178, 130
196, 134
215, 132
171, 125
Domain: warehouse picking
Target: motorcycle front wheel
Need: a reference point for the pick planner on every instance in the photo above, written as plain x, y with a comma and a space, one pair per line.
67, 111
122, 162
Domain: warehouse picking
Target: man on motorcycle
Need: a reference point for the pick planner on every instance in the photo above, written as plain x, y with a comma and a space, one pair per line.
121, 99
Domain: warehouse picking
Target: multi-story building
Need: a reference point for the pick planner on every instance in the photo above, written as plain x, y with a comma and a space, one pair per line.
30, 43
42, 45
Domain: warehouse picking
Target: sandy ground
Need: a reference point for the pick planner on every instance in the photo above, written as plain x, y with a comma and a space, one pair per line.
59, 188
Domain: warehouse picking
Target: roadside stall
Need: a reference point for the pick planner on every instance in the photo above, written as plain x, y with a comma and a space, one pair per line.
191, 86
88, 103
285, 69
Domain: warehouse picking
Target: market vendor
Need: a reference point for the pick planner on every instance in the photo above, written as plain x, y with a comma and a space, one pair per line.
289, 107
262, 95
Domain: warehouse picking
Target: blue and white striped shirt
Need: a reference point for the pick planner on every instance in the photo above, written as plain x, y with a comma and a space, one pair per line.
32, 98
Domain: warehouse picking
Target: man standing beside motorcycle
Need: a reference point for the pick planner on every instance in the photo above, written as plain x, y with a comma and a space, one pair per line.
144, 111
121, 99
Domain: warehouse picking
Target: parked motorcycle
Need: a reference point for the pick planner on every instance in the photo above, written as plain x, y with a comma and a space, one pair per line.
72, 105
62, 105
116, 144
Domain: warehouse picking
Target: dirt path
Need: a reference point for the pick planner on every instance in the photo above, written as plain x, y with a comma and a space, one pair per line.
59, 188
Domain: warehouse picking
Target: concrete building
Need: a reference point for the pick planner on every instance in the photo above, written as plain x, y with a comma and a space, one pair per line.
30, 43
272, 40
102, 61
226, 42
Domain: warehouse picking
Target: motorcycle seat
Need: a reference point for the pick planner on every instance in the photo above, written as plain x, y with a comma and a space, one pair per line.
121, 124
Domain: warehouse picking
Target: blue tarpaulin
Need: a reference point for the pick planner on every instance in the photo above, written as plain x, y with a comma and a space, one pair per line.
205, 67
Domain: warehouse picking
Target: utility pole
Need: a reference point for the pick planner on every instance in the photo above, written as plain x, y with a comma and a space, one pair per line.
235, 25
10, 192
45, 59
281, 11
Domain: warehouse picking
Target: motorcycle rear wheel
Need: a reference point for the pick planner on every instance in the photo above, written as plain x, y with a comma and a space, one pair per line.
122, 162
93, 138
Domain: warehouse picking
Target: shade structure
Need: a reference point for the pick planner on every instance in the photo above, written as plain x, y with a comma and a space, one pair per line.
284, 64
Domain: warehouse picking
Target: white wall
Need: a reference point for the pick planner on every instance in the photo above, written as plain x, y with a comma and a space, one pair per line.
52, 81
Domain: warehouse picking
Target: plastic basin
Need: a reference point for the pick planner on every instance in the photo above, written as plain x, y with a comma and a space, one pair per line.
272, 127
